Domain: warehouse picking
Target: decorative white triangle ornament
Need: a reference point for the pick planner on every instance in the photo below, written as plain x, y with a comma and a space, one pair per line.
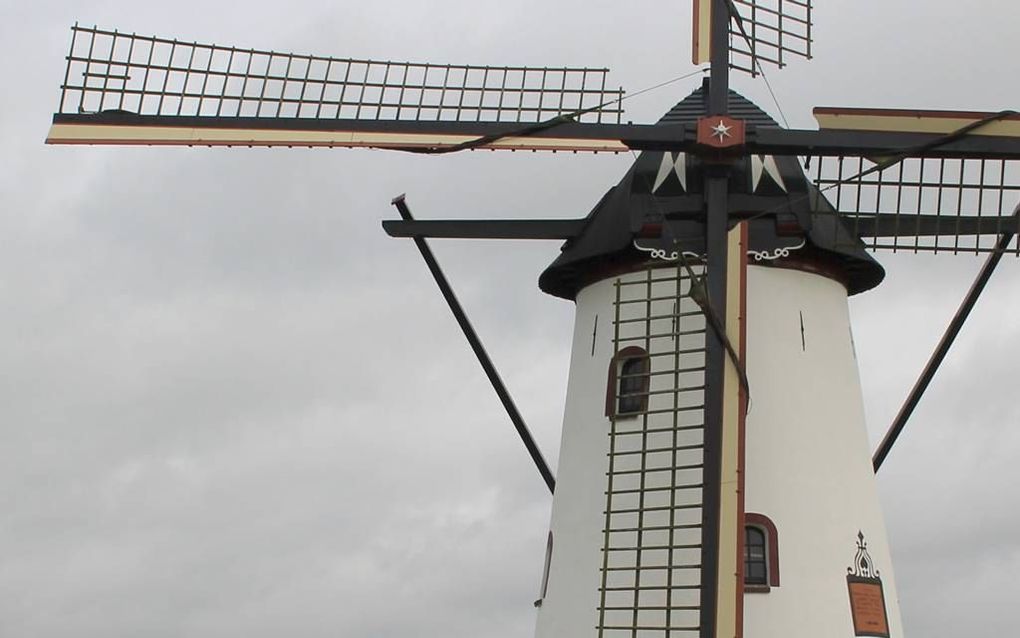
669, 164
766, 164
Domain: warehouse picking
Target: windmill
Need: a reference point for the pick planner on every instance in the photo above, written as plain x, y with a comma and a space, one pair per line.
767, 168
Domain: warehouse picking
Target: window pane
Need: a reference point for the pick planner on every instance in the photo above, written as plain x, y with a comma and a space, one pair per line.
754, 537
754, 574
755, 566
632, 385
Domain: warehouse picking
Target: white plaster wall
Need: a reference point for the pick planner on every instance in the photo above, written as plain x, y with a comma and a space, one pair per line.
808, 463
570, 606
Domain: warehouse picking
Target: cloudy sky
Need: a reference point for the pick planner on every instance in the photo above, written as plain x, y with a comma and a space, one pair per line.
231, 406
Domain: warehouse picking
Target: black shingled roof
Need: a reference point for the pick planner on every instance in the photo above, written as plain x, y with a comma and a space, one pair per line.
606, 242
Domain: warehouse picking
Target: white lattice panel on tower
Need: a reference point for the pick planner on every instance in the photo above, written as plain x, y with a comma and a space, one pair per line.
651, 571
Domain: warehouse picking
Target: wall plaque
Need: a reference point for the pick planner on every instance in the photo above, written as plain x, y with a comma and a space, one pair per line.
867, 598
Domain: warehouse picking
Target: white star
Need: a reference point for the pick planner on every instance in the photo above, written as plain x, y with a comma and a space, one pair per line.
721, 131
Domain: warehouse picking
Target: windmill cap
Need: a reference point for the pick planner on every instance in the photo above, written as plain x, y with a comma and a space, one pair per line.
663, 189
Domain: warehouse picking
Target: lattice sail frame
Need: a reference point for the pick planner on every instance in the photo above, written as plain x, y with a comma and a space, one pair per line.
114, 71
923, 204
769, 31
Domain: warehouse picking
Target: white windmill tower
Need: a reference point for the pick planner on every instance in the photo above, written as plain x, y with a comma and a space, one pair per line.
630, 535
714, 479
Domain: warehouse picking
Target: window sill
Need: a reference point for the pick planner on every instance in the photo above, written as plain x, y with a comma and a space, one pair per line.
757, 589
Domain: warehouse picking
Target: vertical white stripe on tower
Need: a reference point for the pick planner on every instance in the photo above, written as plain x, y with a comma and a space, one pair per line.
730, 579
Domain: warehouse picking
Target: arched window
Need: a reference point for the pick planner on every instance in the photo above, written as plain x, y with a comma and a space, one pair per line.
627, 387
761, 553
756, 570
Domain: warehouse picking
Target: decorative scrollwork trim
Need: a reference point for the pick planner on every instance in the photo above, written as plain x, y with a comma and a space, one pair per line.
659, 253
778, 253
864, 566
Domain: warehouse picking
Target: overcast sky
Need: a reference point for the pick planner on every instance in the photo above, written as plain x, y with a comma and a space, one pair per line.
231, 406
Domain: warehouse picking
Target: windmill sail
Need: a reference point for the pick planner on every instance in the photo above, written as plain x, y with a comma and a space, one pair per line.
125, 88
917, 202
760, 32
769, 31
923, 204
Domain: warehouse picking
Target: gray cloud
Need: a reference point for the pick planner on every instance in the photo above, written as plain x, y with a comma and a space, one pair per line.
232, 406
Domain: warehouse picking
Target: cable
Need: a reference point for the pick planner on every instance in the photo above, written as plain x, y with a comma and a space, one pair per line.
658, 86
768, 85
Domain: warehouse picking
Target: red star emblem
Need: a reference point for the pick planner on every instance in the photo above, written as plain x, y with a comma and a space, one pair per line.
720, 131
